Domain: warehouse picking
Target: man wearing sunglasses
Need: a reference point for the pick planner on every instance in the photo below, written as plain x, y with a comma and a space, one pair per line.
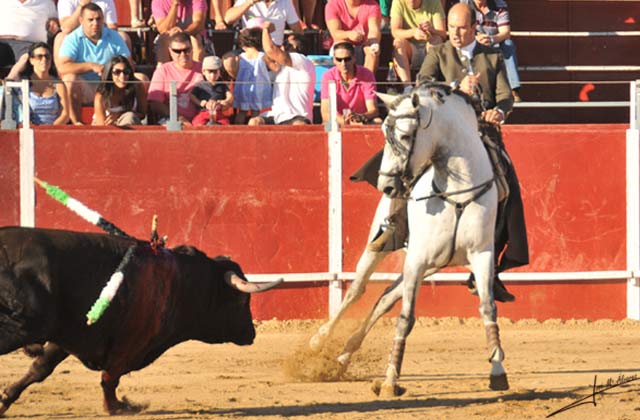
183, 69
355, 86
83, 55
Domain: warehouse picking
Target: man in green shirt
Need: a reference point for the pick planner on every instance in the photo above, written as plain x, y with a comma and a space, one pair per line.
415, 25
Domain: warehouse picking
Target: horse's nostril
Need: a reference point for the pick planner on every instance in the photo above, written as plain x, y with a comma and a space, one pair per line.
388, 190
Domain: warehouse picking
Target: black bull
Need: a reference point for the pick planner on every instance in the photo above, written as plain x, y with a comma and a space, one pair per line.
50, 278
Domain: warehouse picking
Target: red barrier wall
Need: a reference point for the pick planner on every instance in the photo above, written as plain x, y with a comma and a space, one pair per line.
261, 196
9, 178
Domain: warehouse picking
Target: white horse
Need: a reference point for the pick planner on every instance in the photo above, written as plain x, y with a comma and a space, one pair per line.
452, 224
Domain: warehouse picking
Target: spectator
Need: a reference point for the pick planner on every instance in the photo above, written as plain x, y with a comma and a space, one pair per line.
306, 11
173, 16
279, 12
182, 69
48, 97
118, 101
23, 23
415, 25
494, 30
69, 14
356, 22
211, 96
83, 55
355, 86
385, 11
216, 8
294, 85
252, 89
135, 10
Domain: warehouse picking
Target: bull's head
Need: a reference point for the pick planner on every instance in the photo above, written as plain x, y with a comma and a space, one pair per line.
226, 316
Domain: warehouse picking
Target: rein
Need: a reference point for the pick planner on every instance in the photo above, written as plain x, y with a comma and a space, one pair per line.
458, 206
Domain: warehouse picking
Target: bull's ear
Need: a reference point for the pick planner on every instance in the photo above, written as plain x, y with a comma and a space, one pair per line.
386, 98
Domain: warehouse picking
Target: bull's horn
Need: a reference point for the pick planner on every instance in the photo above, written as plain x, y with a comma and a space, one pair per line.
236, 282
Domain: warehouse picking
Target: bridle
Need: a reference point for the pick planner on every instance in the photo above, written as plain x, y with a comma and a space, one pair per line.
400, 150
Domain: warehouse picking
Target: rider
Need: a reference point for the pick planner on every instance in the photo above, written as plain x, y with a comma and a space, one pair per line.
478, 71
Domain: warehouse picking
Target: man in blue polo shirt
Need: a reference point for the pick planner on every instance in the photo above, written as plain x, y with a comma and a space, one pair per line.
83, 55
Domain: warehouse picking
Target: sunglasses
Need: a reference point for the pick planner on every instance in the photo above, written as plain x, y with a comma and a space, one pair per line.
181, 51
46, 56
118, 72
211, 71
343, 59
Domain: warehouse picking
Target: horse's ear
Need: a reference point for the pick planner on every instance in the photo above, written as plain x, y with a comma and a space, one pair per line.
386, 98
415, 100
425, 116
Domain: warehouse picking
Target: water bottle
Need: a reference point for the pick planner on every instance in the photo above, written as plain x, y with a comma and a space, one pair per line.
392, 80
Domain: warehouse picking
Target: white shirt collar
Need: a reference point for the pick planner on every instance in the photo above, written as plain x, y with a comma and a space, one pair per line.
468, 50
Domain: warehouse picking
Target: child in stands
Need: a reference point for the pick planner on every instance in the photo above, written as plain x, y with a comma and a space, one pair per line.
211, 96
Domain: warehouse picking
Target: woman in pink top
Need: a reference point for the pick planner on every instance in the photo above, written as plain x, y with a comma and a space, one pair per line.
357, 22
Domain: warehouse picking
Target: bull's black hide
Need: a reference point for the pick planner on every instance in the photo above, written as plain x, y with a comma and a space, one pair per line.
50, 278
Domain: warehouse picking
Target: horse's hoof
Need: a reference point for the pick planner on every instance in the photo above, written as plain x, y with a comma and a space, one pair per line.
344, 359
498, 382
316, 343
383, 390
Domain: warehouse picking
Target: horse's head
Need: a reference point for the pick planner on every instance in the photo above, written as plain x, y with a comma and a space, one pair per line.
400, 168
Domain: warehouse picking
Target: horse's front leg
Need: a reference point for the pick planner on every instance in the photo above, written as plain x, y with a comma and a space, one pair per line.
366, 266
384, 304
368, 262
413, 274
482, 265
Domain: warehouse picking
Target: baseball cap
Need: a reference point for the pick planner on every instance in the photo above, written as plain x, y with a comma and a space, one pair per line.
211, 62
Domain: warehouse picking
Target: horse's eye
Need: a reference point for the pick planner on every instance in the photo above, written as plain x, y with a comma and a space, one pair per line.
405, 137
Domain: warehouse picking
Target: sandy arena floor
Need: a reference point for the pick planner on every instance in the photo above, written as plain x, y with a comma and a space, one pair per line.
445, 372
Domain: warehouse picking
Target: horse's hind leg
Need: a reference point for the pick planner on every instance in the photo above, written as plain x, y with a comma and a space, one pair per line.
41, 367
482, 265
366, 266
384, 304
368, 262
